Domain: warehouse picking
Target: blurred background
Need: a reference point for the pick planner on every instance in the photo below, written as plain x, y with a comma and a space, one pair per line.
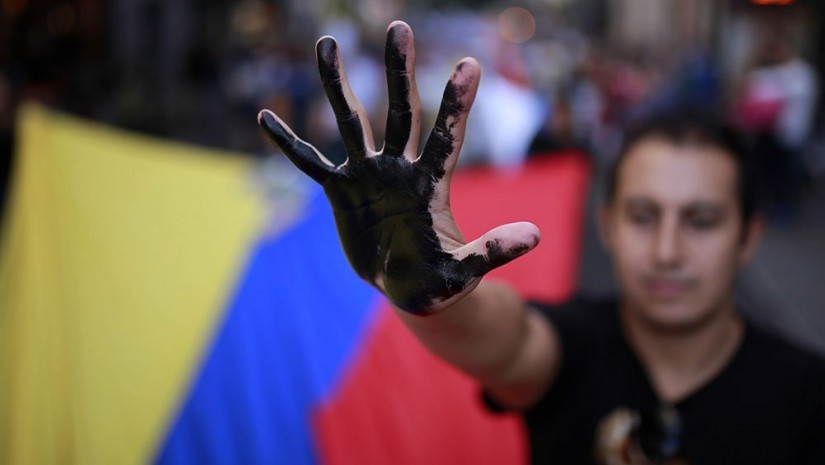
197, 70
558, 74
152, 308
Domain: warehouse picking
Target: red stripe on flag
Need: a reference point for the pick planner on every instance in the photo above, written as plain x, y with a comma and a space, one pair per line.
399, 404
549, 192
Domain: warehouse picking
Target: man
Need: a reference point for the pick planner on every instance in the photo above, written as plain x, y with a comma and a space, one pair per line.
669, 370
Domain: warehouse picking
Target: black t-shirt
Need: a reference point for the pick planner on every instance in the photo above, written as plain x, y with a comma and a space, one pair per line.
767, 406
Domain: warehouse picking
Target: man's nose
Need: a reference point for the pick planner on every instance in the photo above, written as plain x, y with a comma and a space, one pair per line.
668, 247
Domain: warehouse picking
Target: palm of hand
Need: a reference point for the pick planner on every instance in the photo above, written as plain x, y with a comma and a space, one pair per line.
391, 208
383, 211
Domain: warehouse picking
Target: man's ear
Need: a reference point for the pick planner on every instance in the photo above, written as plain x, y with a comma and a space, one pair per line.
604, 226
751, 237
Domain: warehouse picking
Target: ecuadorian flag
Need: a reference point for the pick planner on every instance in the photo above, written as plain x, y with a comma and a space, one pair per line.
161, 303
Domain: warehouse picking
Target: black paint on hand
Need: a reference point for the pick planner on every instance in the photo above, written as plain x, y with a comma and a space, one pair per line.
349, 123
399, 113
384, 204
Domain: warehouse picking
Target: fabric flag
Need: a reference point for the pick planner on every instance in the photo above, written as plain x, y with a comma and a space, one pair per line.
158, 304
118, 256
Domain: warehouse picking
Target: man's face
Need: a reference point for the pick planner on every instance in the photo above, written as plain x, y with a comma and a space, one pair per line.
674, 230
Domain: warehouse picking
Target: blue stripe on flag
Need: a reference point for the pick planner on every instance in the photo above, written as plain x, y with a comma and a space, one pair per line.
296, 319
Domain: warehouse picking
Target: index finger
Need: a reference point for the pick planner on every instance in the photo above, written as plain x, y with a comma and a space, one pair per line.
444, 143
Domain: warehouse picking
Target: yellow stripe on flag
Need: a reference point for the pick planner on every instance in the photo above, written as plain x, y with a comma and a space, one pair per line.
119, 253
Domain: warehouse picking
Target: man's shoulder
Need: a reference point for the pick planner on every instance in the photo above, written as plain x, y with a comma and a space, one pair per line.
773, 348
793, 379
780, 354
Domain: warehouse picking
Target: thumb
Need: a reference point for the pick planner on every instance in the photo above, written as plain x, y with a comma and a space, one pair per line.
497, 247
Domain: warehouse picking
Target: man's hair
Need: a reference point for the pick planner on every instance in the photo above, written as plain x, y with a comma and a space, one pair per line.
688, 127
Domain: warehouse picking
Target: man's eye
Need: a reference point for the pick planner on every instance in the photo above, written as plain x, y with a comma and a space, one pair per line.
642, 218
703, 222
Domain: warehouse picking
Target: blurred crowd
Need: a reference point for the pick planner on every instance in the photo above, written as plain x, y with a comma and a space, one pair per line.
551, 81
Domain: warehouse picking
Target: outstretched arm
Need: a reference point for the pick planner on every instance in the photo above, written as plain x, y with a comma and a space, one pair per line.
392, 211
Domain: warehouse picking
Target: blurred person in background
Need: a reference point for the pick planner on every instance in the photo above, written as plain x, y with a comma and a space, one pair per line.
777, 105
556, 135
574, 116
667, 372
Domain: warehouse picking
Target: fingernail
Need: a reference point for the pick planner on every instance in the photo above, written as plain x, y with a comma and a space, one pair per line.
272, 128
394, 56
327, 50
267, 119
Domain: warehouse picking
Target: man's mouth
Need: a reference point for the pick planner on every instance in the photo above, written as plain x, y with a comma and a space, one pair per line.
667, 288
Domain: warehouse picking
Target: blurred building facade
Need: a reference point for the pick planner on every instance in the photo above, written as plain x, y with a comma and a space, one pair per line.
151, 64
199, 70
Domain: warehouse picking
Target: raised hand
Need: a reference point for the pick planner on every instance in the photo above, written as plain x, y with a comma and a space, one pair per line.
392, 207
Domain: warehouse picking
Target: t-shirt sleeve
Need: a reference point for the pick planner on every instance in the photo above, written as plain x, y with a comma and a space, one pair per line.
573, 324
577, 327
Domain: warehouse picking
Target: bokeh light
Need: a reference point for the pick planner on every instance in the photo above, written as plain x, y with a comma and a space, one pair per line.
516, 24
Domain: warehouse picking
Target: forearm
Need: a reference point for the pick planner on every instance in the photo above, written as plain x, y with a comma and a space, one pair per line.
493, 336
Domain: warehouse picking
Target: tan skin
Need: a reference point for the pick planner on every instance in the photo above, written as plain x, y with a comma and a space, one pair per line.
485, 328
676, 236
